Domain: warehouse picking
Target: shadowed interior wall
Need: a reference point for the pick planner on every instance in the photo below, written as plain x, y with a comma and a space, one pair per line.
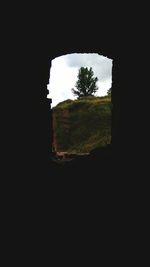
45, 210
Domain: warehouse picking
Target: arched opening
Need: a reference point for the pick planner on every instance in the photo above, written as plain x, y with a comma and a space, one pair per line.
80, 124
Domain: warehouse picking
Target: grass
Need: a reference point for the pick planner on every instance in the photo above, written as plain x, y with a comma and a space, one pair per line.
88, 125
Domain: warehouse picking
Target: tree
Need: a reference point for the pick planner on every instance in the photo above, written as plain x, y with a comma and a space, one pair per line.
86, 83
109, 92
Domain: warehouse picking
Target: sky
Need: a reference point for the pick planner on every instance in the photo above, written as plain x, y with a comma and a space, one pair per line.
64, 71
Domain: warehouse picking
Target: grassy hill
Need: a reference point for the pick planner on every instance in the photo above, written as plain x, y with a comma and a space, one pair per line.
83, 124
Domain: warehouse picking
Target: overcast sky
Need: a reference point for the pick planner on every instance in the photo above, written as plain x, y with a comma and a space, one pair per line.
64, 71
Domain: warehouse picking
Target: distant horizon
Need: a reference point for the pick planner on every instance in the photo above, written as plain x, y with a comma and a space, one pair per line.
64, 71
103, 96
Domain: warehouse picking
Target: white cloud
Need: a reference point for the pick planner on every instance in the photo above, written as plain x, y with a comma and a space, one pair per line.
64, 70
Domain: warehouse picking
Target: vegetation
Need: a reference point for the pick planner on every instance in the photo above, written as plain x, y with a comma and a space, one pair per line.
83, 124
86, 83
109, 92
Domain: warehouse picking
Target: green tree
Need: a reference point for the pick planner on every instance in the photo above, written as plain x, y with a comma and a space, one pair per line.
86, 83
109, 92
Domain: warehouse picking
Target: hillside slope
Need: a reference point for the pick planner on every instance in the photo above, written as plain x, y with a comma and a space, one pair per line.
82, 125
